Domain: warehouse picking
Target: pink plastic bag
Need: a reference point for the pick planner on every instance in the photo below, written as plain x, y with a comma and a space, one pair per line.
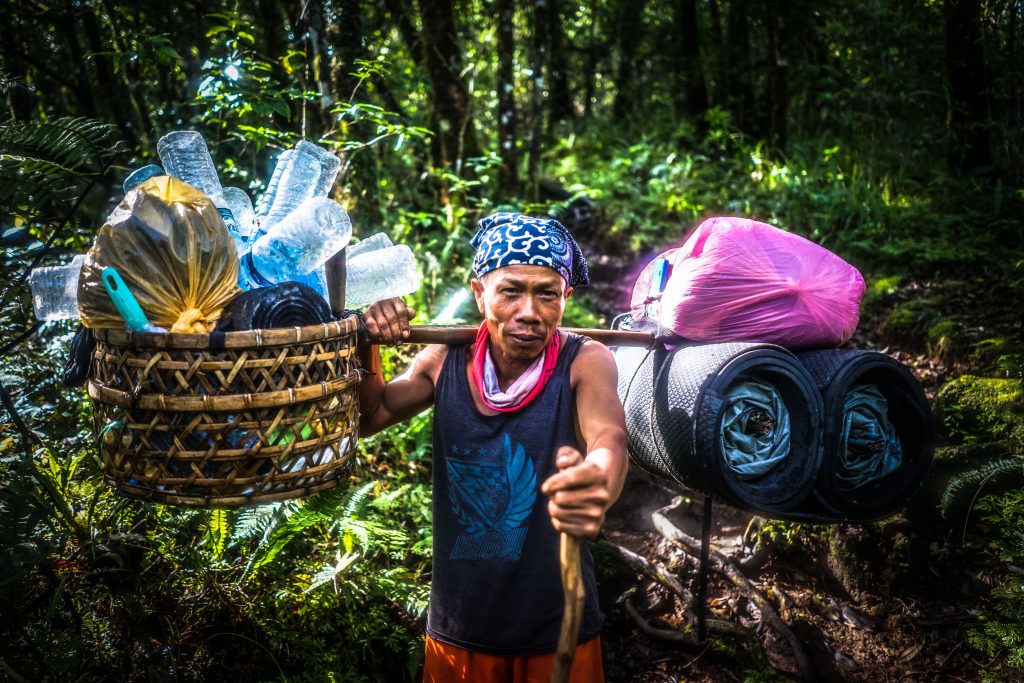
739, 280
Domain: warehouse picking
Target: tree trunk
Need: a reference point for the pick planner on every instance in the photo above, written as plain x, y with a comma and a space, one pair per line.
691, 93
454, 137
19, 102
738, 87
712, 51
346, 35
593, 51
630, 34
538, 60
777, 93
508, 174
969, 146
560, 103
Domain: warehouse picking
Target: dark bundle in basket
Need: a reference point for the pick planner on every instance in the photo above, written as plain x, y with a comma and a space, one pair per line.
226, 419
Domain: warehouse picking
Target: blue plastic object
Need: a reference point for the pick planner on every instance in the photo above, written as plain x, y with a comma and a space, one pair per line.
659, 278
134, 317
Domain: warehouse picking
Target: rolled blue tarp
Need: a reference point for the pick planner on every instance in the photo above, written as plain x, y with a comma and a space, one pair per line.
738, 421
879, 437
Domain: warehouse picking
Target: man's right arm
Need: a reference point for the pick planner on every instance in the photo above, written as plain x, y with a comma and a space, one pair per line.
382, 404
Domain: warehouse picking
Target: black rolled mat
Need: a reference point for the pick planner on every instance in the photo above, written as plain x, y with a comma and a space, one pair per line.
836, 372
289, 304
674, 404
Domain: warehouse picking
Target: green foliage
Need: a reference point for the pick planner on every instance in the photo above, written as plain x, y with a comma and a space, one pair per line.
44, 162
1001, 629
963, 489
982, 408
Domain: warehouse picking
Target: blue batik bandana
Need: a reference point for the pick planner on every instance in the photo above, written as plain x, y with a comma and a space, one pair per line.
506, 239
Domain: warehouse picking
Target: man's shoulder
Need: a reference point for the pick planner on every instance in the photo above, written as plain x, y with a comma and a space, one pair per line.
592, 357
429, 361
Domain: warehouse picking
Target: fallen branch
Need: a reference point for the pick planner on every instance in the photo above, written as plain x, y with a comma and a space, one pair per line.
654, 572
727, 568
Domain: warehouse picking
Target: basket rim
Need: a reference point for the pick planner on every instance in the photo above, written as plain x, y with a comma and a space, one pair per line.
260, 338
223, 403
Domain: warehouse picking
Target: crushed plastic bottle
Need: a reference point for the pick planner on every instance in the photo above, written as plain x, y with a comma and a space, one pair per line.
55, 290
186, 157
240, 205
296, 183
330, 165
380, 274
297, 245
141, 175
377, 241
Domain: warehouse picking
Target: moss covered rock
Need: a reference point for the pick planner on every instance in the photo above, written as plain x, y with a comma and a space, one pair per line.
975, 409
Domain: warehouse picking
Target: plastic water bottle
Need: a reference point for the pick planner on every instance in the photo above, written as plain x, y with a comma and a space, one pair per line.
185, 156
380, 274
297, 245
296, 184
330, 164
364, 246
141, 175
267, 198
55, 290
240, 205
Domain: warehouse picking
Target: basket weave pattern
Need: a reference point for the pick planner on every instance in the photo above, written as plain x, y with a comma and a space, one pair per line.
234, 419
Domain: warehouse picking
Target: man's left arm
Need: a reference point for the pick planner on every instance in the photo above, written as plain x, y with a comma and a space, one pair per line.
586, 485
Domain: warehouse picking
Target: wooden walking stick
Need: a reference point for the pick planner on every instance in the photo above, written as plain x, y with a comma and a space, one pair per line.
572, 586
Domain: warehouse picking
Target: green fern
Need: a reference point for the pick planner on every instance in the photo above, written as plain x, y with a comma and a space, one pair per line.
39, 158
963, 488
218, 531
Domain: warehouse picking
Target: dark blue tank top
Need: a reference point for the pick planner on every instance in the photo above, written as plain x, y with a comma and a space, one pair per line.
496, 585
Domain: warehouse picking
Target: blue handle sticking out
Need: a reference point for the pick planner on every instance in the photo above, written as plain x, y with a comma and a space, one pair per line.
124, 301
659, 278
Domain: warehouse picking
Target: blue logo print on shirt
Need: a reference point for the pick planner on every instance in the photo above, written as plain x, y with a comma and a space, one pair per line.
491, 501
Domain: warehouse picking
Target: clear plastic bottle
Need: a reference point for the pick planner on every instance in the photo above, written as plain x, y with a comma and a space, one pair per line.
330, 165
55, 290
380, 274
141, 175
377, 241
296, 184
240, 205
264, 201
186, 157
297, 245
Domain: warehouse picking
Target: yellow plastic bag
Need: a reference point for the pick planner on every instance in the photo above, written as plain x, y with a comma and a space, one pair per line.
171, 246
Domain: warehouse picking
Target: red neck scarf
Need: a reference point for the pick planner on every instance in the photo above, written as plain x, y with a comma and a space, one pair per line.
550, 358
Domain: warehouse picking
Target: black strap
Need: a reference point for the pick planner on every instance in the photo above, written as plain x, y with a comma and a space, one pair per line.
217, 341
702, 573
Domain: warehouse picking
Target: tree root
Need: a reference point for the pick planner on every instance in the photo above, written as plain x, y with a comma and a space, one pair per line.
659, 574
668, 635
654, 572
726, 567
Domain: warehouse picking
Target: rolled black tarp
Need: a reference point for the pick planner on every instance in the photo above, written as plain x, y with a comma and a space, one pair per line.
738, 421
289, 304
879, 437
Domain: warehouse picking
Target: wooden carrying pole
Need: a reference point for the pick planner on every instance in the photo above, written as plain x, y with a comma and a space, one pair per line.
456, 335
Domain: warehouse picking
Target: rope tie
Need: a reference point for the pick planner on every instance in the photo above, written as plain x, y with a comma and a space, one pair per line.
189, 321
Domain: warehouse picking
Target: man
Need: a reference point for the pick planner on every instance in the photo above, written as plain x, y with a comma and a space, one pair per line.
524, 412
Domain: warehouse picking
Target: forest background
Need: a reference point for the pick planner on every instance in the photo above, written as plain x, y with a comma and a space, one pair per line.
889, 132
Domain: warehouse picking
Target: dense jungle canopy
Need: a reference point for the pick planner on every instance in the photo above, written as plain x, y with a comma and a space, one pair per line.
891, 133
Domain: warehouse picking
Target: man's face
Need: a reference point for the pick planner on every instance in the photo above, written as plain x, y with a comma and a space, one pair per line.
522, 305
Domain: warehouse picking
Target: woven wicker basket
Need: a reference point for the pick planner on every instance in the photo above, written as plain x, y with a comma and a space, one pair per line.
228, 419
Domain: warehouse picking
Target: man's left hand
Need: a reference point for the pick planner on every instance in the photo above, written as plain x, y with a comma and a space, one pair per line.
578, 494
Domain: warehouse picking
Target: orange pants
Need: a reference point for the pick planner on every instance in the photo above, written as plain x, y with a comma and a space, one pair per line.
445, 663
